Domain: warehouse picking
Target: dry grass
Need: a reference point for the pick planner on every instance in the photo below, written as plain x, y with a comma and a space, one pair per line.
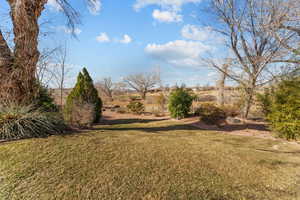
149, 160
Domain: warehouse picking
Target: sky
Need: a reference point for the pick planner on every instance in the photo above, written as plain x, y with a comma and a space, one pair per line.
120, 37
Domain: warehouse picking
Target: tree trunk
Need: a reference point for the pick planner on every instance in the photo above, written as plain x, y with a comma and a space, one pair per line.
5, 54
6, 61
248, 101
143, 95
221, 85
20, 82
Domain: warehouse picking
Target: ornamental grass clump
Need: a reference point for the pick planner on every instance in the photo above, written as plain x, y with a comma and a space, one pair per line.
18, 122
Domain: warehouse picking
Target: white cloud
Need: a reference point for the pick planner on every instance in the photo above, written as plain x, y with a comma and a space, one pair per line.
126, 39
179, 52
95, 7
203, 34
166, 4
166, 16
170, 9
103, 37
193, 32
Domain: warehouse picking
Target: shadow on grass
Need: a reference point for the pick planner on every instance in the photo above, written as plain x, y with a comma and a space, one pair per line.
127, 121
237, 127
182, 127
232, 127
276, 151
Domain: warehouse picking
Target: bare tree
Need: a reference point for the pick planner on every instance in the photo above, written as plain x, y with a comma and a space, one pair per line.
142, 83
61, 71
243, 23
107, 87
285, 27
44, 73
18, 65
52, 69
119, 88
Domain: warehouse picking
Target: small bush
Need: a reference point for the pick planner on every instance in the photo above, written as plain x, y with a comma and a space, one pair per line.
17, 122
210, 114
134, 98
231, 110
180, 102
121, 110
136, 107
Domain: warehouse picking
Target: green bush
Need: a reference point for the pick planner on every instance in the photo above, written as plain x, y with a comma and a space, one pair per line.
44, 101
83, 93
136, 107
18, 122
265, 101
180, 102
210, 114
284, 109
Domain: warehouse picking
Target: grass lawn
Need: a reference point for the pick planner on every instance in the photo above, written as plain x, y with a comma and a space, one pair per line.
149, 160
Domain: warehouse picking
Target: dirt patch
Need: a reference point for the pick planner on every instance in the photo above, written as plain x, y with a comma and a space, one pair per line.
249, 128
109, 115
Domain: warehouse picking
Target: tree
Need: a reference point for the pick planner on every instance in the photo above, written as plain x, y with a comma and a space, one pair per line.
44, 73
180, 102
61, 71
107, 87
18, 65
53, 70
285, 27
142, 83
243, 24
83, 93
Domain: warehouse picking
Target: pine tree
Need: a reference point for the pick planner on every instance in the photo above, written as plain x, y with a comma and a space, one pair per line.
84, 92
91, 94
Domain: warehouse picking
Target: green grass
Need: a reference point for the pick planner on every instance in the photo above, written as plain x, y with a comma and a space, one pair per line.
151, 161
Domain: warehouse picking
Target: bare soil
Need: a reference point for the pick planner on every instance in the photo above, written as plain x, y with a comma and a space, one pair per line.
248, 128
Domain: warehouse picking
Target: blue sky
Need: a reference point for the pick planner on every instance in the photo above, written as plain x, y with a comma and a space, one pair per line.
122, 37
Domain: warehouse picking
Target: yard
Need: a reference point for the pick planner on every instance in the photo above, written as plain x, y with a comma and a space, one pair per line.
149, 159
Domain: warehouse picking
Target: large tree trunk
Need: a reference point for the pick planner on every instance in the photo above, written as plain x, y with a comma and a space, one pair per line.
6, 61
19, 82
